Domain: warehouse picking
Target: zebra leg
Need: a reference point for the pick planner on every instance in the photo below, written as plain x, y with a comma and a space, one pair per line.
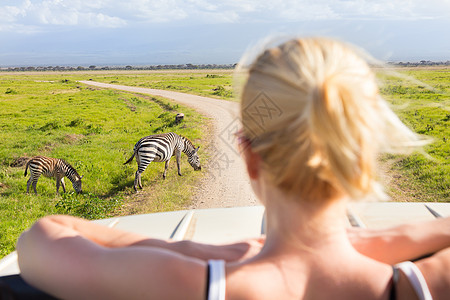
178, 157
137, 177
60, 180
63, 184
142, 165
137, 180
166, 166
57, 183
34, 184
29, 183
140, 182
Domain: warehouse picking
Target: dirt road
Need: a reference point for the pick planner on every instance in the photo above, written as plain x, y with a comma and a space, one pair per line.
226, 183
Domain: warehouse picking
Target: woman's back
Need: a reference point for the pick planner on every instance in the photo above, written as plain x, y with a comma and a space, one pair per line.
302, 262
287, 280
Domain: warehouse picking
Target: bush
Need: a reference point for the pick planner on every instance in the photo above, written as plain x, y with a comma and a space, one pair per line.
221, 91
10, 91
50, 126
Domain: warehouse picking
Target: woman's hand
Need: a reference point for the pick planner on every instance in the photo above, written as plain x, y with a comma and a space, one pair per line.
238, 251
244, 250
405, 242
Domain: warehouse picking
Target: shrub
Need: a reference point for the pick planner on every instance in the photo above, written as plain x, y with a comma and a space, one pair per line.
10, 91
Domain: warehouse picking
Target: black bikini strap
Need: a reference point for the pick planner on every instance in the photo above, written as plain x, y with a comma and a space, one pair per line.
394, 281
207, 281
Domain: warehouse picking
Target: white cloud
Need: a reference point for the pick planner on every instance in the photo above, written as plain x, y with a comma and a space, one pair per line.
10, 13
152, 11
118, 13
57, 12
433, 8
293, 10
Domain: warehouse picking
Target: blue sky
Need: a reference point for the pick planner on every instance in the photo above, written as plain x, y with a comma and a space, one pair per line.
148, 32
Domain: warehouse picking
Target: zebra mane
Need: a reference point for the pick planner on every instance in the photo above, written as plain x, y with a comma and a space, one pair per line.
70, 166
188, 141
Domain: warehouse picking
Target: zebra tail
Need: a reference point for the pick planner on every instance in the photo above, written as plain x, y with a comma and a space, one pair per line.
129, 160
26, 168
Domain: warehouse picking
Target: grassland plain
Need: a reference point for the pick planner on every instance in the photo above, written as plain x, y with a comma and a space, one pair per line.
95, 130
421, 98
210, 83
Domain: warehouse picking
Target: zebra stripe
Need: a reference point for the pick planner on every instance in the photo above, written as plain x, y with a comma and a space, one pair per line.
52, 167
160, 148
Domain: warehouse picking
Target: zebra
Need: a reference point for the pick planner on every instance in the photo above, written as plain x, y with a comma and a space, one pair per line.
52, 167
160, 148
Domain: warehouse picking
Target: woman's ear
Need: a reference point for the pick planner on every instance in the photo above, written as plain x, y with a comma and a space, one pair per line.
253, 162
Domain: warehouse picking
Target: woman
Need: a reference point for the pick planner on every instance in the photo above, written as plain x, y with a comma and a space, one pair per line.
313, 123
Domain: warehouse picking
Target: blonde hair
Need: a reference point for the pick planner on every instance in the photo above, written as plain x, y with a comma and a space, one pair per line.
312, 110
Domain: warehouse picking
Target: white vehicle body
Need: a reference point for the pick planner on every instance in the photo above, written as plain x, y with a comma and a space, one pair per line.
224, 225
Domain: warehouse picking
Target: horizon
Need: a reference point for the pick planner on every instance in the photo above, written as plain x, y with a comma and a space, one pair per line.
184, 66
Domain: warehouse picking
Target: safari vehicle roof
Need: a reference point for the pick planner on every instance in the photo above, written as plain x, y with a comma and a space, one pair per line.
223, 225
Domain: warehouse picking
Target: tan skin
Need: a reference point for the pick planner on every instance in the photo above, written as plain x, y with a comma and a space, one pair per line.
308, 253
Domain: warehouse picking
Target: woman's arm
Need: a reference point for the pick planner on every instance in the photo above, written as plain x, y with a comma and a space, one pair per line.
65, 263
404, 242
66, 256
115, 238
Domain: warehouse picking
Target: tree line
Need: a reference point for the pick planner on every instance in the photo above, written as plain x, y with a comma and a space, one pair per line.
128, 67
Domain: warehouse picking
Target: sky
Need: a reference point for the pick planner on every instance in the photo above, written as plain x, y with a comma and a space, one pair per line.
152, 32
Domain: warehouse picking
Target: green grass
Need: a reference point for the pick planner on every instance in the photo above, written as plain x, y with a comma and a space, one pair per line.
210, 83
421, 98
95, 131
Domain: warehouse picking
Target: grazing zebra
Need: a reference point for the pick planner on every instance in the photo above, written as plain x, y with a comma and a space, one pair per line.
52, 167
159, 148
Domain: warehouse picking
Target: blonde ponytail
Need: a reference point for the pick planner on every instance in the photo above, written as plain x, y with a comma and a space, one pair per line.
342, 135
331, 124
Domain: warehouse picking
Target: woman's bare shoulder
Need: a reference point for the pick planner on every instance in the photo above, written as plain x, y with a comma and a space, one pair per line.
435, 271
